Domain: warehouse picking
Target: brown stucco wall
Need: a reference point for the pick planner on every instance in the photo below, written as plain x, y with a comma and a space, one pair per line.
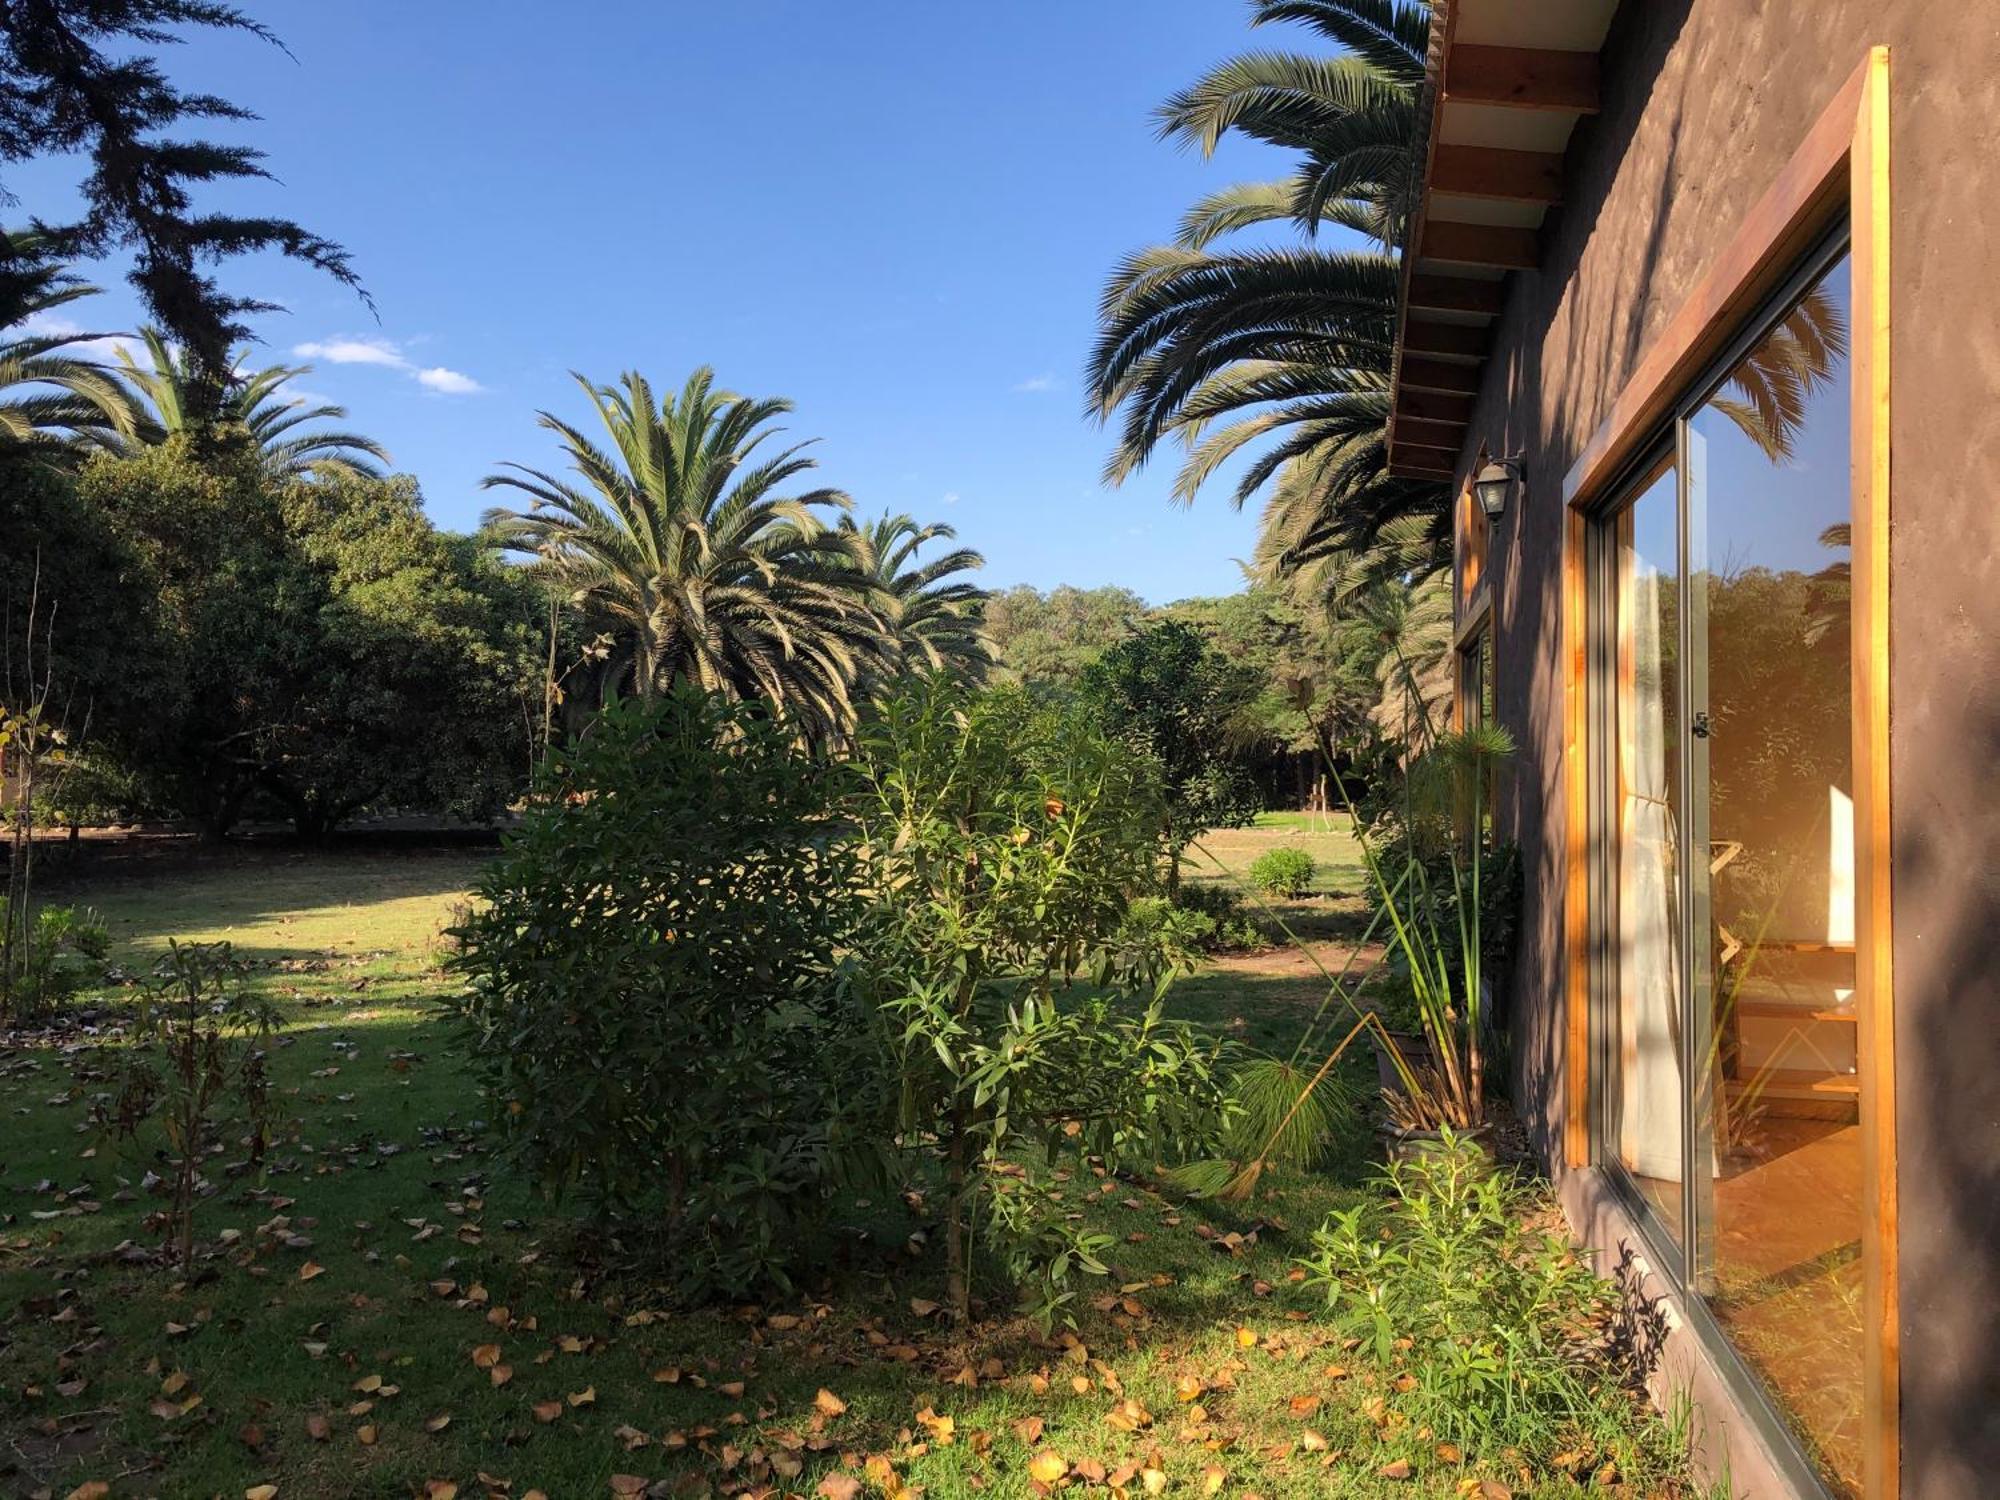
1704, 101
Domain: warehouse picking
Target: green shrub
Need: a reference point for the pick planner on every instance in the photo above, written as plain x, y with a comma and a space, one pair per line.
64, 951
1000, 841
1235, 929
1284, 871
1181, 931
199, 1038
1499, 1323
649, 1006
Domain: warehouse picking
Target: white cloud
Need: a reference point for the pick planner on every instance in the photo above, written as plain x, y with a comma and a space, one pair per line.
951, 497
388, 355
102, 350
448, 382
354, 352
1035, 384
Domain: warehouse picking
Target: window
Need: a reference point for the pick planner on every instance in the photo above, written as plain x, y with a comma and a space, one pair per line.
1728, 1094
1472, 532
1475, 678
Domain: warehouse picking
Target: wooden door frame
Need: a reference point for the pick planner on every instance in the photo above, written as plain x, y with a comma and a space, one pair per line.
1841, 167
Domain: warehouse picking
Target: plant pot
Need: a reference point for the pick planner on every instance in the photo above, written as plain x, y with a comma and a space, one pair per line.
1409, 1145
1416, 1053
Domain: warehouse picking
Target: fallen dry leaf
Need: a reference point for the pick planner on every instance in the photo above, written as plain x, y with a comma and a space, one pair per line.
437, 1423
261, 1492
486, 1356
1396, 1468
1212, 1478
499, 1375
318, 1428
365, 1435
1246, 1338
827, 1403
628, 1484
1047, 1466
585, 1397
882, 1474
307, 1271
548, 1411
1028, 1429
1303, 1406
839, 1487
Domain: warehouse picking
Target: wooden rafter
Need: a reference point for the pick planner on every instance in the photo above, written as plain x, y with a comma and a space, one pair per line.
1480, 245
1522, 78
1440, 375
1466, 294
1494, 172
1452, 340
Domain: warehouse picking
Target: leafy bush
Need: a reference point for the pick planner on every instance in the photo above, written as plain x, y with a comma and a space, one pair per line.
649, 1005
198, 1038
1498, 1323
1284, 871
1000, 840
64, 950
1235, 929
1183, 930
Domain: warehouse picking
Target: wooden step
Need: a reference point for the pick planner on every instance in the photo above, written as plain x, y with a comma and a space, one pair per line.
1779, 1010
1796, 1083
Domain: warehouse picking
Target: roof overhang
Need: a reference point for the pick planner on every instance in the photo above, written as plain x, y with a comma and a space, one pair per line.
1508, 81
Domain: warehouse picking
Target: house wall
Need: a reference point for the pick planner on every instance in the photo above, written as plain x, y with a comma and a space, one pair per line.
1704, 101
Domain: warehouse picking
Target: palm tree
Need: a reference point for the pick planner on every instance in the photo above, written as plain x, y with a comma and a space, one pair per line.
254, 401
47, 395
924, 618
1289, 349
678, 546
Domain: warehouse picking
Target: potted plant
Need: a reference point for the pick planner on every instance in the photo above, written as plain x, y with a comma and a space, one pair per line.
1433, 1073
1435, 1081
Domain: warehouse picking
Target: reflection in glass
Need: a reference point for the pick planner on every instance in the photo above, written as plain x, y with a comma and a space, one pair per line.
1647, 1099
1780, 1186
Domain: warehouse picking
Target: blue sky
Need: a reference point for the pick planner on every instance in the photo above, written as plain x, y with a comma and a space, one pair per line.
898, 215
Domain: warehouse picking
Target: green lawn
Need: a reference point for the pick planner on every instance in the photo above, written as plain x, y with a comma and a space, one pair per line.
355, 1364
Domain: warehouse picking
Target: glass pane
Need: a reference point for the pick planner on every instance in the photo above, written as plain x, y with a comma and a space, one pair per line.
1644, 1099
1780, 1191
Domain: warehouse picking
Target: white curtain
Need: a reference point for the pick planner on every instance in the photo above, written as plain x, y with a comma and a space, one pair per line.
1649, 923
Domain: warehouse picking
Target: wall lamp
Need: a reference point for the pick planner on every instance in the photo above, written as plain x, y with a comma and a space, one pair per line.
1495, 482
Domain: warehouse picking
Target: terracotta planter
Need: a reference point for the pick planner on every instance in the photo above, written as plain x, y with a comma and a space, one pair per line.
1416, 1053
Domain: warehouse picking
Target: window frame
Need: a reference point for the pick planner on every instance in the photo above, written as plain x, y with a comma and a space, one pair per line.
1838, 175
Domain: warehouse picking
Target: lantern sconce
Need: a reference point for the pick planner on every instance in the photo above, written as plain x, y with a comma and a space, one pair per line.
1495, 483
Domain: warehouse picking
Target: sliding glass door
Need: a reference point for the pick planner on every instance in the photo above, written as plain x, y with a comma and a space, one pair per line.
1722, 728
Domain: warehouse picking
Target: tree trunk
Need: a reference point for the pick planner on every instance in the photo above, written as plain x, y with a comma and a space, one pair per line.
958, 1286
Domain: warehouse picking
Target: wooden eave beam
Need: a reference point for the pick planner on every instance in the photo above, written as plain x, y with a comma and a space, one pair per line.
1440, 375
1432, 406
1493, 172
1418, 464
1423, 433
1480, 245
1462, 294
1453, 340
1522, 78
